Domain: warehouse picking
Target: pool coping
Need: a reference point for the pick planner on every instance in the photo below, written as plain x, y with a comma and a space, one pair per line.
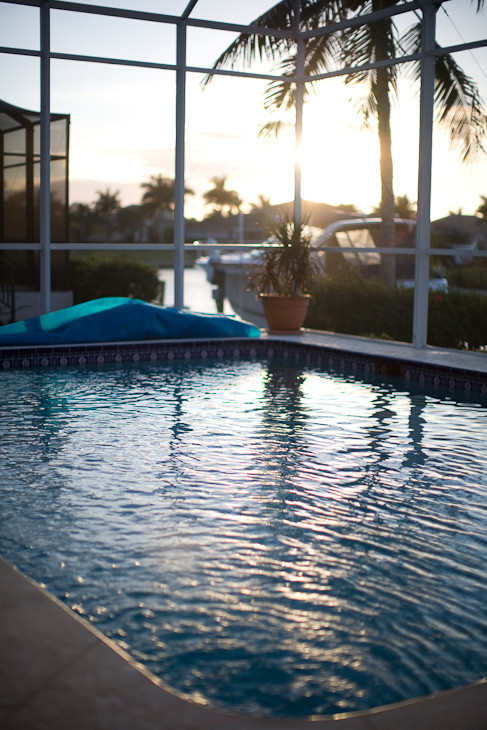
439, 367
55, 664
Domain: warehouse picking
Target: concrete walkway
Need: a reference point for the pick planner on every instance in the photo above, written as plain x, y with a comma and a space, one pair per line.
463, 360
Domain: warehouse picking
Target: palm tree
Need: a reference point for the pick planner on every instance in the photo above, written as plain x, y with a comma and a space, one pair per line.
159, 195
403, 208
221, 197
157, 199
263, 202
81, 222
348, 208
459, 106
107, 202
262, 210
104, 207
482, 209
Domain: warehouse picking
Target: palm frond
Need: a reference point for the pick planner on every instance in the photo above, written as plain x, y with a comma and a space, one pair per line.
459, 106
247, 47
368, 44
279, 93
367, 108
320, 57
322, 53
272, 128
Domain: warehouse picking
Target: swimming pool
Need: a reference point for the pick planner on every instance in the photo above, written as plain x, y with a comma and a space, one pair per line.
267, 538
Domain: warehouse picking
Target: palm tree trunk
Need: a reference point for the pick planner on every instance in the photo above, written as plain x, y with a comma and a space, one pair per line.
387, 237
388, 262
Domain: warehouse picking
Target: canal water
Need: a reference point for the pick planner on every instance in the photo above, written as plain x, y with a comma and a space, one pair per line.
198, 292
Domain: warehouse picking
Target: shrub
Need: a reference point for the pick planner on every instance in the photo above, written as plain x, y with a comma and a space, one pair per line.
100, 275
458, 318
468, 277
349, 304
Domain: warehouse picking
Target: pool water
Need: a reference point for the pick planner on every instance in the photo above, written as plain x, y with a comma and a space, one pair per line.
268, 539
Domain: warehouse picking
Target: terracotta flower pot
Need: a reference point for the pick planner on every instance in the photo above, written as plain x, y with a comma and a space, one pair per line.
285, 314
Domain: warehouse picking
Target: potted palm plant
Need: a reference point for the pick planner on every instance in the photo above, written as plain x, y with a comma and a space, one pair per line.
285, 275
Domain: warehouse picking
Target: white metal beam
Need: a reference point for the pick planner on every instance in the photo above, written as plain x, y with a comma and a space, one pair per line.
179, 167
298, 128
212, 71
45, 162
155, 17
358, 20
188, 9
229, 246
461, 47
423, 224
355, 21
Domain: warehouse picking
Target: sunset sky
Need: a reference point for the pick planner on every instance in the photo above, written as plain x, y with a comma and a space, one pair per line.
123, 119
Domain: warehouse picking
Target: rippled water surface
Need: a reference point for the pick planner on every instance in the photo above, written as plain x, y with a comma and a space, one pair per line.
266, 538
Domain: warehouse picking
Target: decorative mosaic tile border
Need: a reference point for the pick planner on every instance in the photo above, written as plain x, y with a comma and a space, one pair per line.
186, 350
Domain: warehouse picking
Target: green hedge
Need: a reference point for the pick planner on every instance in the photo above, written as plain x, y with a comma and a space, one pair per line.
349, 304
98, 276
468, 277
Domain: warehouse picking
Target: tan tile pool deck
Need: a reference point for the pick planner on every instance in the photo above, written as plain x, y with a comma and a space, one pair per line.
58, 673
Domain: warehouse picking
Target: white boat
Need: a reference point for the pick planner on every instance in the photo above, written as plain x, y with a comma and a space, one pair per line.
230, 272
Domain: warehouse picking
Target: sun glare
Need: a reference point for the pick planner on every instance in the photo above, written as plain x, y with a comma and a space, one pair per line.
339, 157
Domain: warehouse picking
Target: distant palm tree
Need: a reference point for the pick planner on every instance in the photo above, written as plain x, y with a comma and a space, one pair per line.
348, 208
262, 203
130, 224
107, 202
403, 208
157, 199
221, 197
81, 222
482, 209
263, 211
459, 106
159, 195
104, 207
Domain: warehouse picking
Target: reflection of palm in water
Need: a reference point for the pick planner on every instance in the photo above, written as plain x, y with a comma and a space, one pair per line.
380, 430
415, 456
282, 438
404, 458
43, 431
285, 448
283, 423
391, 462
